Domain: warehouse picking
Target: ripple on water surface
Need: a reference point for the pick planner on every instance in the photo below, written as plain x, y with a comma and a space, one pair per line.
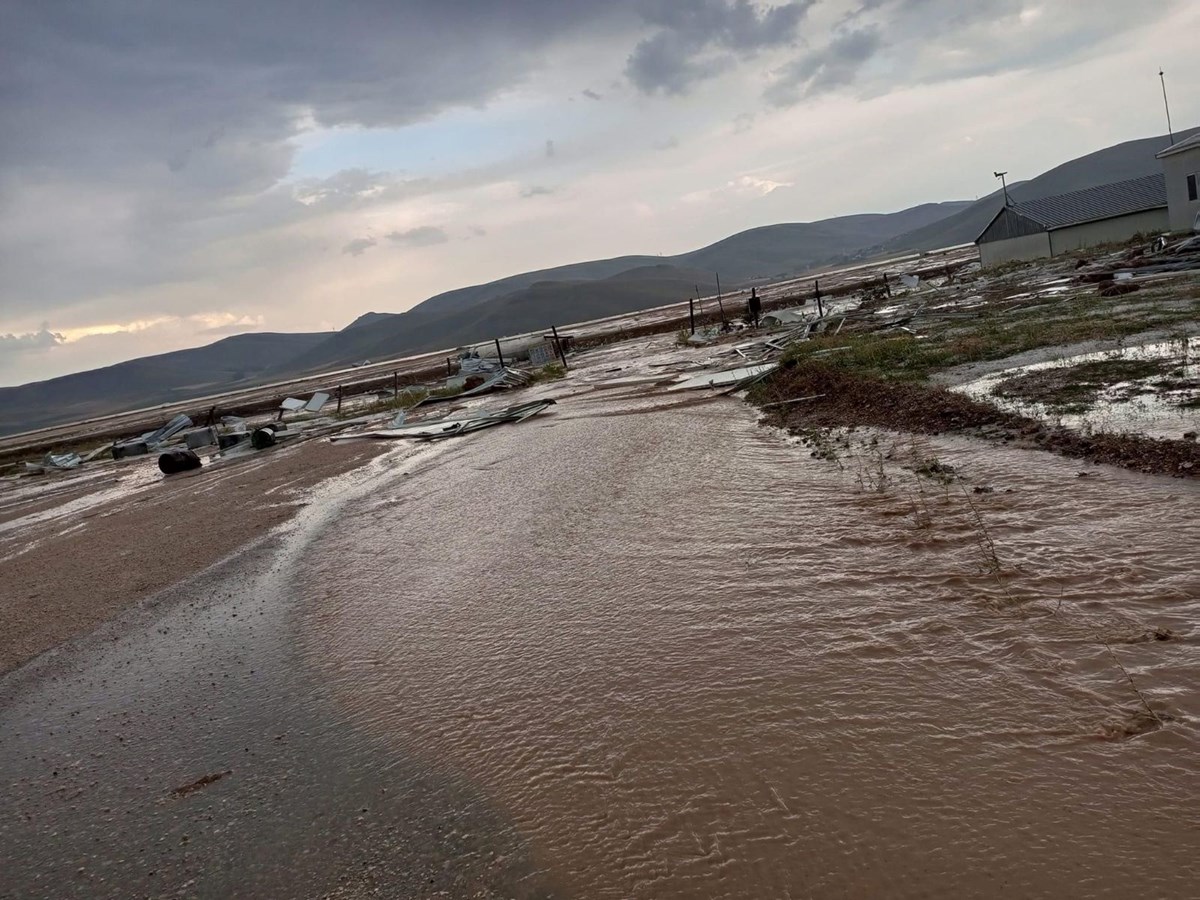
687, 660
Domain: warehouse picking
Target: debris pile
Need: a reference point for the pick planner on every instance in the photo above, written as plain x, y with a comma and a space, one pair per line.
151, 440
454, 426
504, 379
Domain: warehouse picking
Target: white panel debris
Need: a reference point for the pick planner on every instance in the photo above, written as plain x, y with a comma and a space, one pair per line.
728, 378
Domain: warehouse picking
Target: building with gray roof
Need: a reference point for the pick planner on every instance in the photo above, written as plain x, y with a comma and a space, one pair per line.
1049, 226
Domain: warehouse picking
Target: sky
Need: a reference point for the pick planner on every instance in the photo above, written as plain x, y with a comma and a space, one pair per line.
172, 173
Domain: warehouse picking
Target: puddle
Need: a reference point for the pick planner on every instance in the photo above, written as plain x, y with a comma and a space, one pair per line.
1136, 406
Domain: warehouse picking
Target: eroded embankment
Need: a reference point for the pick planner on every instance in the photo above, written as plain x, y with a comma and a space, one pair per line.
844, 398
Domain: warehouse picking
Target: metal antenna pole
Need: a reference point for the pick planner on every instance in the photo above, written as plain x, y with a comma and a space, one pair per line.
1166, 105
1004, 184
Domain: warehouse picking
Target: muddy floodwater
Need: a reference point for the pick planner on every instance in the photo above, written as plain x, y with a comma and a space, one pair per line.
641, 647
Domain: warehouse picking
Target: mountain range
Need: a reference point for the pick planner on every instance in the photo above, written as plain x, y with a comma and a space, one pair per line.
559, 296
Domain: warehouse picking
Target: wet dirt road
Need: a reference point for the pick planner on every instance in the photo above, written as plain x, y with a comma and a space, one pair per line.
629, 651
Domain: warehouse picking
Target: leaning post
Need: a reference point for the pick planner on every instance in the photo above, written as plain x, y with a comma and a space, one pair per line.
558, 346
720, 302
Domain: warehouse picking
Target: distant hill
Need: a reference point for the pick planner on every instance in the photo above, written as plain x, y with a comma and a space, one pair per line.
241, 359
559, 295
526, 309
1132, 159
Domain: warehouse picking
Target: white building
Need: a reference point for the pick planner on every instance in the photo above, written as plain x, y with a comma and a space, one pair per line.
1053, 225
1181, 168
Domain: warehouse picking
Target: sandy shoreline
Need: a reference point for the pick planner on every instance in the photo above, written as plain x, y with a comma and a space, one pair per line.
65, 576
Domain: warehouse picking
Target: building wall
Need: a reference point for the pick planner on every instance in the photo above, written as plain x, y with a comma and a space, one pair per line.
1177, 168
1009, 224
1030, 246
1121, 228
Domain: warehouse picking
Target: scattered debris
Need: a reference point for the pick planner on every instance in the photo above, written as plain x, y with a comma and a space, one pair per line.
201, 437
312, 404
542, 354
264, 437
735, 378
200, 783
59, 461
470, 363
796, 400
505, 379
452, 427
178, 459
151, 440
779, 317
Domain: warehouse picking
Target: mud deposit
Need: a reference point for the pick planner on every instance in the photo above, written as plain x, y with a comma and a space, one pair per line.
665, 653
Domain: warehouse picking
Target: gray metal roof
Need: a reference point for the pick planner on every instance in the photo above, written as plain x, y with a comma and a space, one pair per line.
1191, 143
1093, 204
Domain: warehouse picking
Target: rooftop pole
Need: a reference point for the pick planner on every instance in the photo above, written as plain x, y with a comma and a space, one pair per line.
1166, 105
1003, 184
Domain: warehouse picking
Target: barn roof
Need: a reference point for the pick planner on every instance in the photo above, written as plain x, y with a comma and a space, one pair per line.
1107, 201
1093, 204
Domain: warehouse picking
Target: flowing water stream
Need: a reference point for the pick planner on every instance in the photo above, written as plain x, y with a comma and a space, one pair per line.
642, 647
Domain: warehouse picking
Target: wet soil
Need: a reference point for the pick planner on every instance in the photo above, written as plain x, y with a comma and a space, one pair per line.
66, 573
1075, 388
847, 399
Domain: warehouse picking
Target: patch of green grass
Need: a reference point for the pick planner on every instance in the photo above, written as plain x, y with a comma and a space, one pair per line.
406, 399
995, 334
1073, 389
548, 372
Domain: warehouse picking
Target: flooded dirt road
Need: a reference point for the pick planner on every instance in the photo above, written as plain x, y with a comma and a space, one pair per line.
641, 647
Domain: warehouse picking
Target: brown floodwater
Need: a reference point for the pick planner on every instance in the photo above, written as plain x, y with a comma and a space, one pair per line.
660, 653
686, 659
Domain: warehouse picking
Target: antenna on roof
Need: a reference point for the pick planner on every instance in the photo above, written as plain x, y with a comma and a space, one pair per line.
1166, 105
1003, 184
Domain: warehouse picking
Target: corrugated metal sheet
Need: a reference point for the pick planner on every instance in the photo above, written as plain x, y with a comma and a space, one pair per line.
1104, 202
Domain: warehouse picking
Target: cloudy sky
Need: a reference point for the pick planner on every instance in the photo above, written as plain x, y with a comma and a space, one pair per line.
175, 172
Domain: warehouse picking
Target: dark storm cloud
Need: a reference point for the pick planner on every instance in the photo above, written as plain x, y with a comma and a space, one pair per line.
149, 144
424, 236
697, 39
925, 41
834, 66
167, 126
